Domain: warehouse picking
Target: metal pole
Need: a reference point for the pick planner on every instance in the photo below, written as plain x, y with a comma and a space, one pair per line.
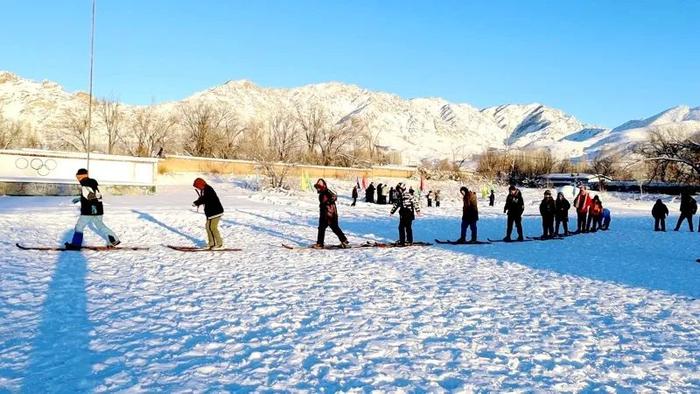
92, 62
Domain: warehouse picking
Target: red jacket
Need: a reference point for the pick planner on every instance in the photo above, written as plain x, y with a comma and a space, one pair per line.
582, 203
596, 209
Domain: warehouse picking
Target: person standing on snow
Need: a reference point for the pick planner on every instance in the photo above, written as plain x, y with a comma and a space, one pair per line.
380, 190
213, 210
548, 210
688, 208
470, 215
369, 193
582, 203
408, 206
660, 212
354, 196
595, 212
562, 214
515, 206
437, 198
91, 211
429, 197
328, 215
492, 198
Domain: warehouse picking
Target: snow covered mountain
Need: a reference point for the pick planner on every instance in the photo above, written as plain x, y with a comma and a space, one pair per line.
419, 128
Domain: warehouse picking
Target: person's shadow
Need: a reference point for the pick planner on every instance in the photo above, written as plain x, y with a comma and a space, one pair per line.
150, 218
60, 358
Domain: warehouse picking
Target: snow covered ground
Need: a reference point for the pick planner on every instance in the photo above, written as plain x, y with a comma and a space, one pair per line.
614, 311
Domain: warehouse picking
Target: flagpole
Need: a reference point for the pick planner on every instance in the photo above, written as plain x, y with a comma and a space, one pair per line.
92, 62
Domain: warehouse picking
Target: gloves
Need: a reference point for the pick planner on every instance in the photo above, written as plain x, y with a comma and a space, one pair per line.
76, 200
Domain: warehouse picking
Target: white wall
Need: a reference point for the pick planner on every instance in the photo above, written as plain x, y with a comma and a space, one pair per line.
37, 166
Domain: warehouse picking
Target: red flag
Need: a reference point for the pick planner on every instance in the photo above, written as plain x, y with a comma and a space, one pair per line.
364, 182
422, 184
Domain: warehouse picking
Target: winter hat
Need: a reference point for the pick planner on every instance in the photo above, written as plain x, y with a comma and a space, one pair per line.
400, 186
463, 190
547, 193
199, 183
82, 171
511, 188
320, 184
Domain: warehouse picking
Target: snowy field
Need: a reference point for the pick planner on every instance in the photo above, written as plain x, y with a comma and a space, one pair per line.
612, 311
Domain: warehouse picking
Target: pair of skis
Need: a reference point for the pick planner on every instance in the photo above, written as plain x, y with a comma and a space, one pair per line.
368, 244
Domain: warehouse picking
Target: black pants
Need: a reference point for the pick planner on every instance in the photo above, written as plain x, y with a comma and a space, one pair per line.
565, 223
437, 203
581, 222
593, 223
354, 201
682, 218
471, 224
405, 229
518, 221
659, 224
547, 226
324, 223
430, 202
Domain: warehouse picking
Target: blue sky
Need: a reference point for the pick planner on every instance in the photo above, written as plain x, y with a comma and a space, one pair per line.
603, 61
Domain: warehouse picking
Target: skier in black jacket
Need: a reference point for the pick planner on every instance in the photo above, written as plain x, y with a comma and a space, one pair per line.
688, 208
328, 215
515, 206
369, 193
547, 210
91, 211
562, 214
407, 205
213, 211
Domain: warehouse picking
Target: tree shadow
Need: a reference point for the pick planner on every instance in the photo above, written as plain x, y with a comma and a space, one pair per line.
60, 358
150, 218
631, 253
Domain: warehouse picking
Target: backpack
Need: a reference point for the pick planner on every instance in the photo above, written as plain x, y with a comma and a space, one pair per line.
693, 206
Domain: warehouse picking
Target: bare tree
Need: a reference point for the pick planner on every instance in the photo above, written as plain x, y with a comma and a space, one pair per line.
277, 147
73, 127
604, 166
211, 131
312, 122
149, 131
110, 113
672, 157
11, 132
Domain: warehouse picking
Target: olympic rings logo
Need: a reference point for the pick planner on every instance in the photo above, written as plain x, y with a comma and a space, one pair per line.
42, 167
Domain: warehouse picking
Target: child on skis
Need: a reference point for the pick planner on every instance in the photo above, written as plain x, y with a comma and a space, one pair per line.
562, 214
659, 212
470, 215
91, 211
515, 206
328, 215
408, 206
548, 210
213, 211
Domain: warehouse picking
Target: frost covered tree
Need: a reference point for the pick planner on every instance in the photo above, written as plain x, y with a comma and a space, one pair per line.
672, 157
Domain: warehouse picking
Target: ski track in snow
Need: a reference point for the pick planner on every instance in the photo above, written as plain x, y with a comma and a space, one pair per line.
492, 317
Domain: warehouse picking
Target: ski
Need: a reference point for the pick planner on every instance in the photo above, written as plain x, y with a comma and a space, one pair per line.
448, 242
198, 249
91, 248
511, 241
544, 239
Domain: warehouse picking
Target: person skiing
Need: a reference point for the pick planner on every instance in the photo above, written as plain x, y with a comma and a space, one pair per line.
91, 212
470, 215
392, 195
595, 212
492, 198
429, 197
437, 198
688, 208
548, 210
515, 206
659, 212
369, 193
213, 210
328, 215
562, 214
408, 206
355, 194
582, 203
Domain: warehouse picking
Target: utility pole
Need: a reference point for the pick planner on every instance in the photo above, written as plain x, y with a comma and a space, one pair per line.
92, 62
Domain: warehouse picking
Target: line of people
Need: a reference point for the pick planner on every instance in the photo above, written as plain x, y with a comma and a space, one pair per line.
689, 207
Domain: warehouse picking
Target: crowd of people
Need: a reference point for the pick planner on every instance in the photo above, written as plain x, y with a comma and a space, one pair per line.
591, 216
